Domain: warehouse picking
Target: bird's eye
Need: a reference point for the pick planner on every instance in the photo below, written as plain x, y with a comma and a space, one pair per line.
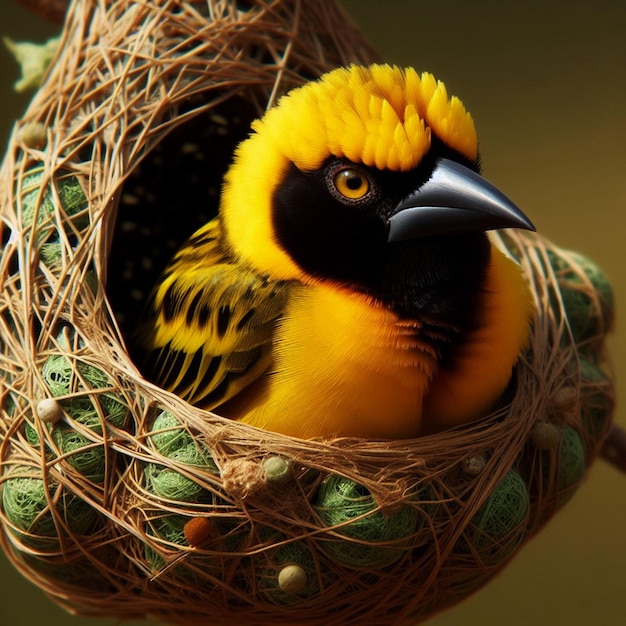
351, 183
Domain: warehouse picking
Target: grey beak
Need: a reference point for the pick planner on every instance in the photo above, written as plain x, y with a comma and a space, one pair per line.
455, 199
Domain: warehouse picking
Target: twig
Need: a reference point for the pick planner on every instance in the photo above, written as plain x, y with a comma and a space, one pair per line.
51, 10
614, 448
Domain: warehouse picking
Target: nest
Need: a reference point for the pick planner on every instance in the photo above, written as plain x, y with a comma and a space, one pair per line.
118, 498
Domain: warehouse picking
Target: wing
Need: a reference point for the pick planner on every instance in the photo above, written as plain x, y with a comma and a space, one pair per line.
210, 323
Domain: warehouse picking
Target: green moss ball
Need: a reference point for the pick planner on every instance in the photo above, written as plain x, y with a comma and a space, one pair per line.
52, 254
350, 510
39, 204
63, 379
571, 462
172, 440
170, 529
82, 454
172, 485
168, 435
498, 526
587, 296
596, 397
32, 436
26, 501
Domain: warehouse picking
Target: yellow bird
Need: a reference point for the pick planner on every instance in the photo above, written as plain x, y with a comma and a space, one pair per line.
348, 286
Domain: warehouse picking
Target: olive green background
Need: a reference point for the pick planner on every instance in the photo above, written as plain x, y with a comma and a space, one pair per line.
546, 84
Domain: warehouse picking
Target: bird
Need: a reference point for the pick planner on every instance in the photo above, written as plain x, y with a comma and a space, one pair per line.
348, 286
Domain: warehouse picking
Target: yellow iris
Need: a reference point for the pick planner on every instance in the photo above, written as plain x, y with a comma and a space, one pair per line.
351, 183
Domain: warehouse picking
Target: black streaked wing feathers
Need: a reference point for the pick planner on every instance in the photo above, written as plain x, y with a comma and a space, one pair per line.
211, 323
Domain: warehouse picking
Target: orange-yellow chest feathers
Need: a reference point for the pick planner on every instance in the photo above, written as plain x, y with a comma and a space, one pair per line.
381, 116
343, 366
346, 366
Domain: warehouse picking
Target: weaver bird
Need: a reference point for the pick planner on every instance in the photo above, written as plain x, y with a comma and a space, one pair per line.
348, 286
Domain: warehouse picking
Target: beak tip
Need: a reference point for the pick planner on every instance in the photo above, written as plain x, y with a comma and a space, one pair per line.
520, 221
525, 223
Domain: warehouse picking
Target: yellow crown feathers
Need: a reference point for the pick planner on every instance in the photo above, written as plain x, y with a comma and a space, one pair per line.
379, 115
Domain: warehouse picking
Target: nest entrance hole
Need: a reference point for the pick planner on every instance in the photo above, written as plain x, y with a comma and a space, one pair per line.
168, 195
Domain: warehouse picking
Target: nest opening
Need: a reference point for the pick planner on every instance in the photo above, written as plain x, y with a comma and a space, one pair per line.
172, 191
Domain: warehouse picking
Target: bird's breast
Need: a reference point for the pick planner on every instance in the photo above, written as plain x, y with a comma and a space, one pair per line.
346, 365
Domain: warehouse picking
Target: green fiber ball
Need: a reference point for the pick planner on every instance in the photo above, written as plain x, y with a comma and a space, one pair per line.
195, 455
42, 204
172, 485
82, 410
169, 529
36, 204
111, 404
287, 574
175, 442
113, 408
564, 468
587, 296
62, 379
498, 526
82, 454
32, 436
341, 500
168, 435
571, 461
58, 374
10, 402
25, 501
596, 398
73, 199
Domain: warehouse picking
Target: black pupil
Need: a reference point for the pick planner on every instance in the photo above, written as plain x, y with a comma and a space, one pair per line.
354, 182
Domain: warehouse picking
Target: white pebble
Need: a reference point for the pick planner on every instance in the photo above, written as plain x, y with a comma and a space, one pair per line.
292, 579
49, 411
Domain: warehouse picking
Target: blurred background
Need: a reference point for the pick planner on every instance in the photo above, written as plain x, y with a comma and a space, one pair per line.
546, 84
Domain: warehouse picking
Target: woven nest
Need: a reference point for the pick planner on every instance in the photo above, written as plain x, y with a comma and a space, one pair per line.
120, 499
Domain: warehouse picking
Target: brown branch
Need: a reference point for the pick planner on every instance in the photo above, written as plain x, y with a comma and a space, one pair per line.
51, 10
614, 448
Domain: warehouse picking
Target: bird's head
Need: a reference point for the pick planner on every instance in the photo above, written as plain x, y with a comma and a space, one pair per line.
360, 162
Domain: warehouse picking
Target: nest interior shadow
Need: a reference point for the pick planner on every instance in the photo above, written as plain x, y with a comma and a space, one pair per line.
173, 191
